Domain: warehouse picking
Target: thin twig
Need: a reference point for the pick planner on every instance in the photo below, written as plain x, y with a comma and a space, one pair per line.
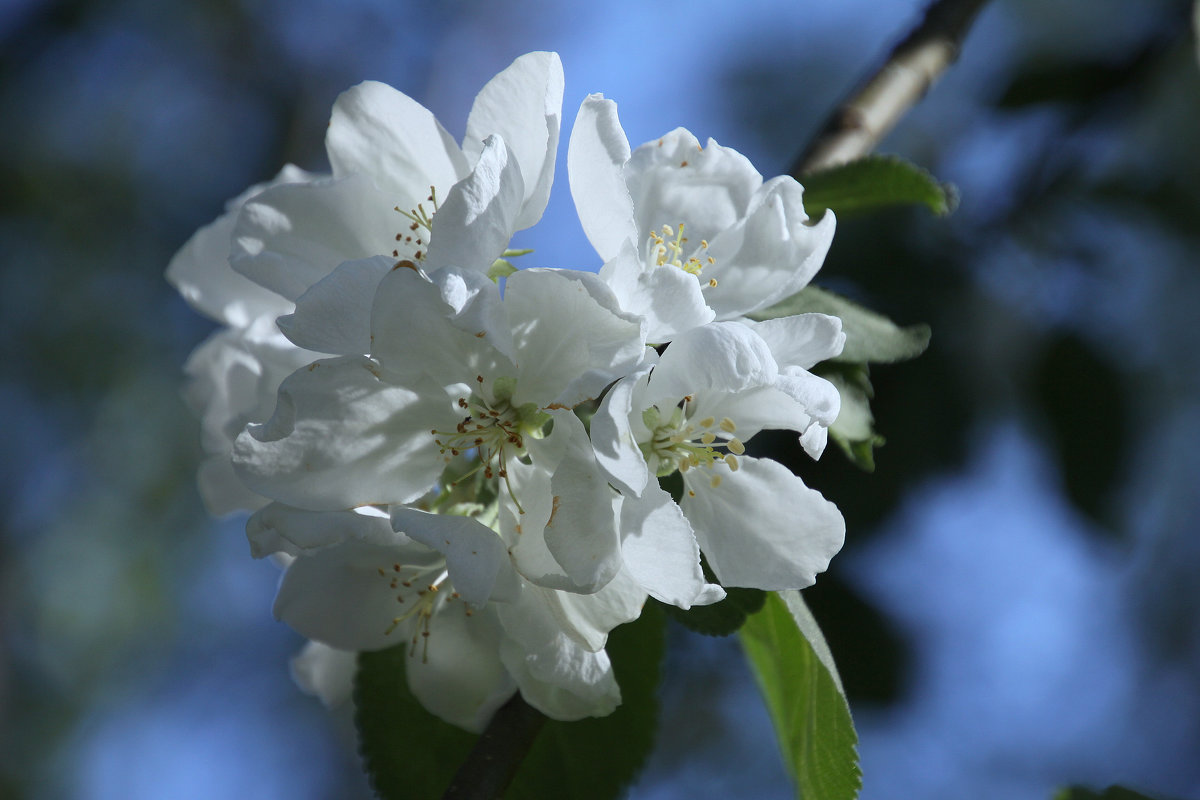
499, 751
878, 104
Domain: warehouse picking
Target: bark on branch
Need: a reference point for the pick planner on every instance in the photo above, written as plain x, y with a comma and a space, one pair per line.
878, 104
499, 751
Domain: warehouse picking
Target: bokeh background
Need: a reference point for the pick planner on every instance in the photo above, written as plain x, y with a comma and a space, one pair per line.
1017, 605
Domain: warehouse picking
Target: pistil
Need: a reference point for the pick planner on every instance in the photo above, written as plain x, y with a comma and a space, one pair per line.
678, 443
666, 249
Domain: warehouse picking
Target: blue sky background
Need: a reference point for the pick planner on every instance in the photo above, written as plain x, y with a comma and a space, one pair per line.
1016, 606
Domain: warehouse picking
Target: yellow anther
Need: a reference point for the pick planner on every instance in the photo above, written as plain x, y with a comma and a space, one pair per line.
727, 425
732, 462
736, 446
708, 438
707, 422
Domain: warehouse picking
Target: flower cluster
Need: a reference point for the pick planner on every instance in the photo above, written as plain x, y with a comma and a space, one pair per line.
475, 471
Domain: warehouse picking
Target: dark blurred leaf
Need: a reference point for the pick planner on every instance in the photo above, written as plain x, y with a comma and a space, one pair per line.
1111, 793
875, 182
870, 337
1084, 403
795, 672
1070, 82
723, 618
873, 660
406, 751
596, 758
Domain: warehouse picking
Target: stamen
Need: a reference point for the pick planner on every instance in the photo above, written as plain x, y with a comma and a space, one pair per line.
420, 218
494, 431
666, 247
677, 444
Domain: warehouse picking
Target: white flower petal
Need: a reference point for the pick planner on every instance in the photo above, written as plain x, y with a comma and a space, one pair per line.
803, 340
479, 214
281, 528
325, 672
818, 396
340, 437
814, 440
232, 380
222, 491
613, 438
291, 236
202, 273
338, 597
660, 550
672, 180
721, 356
582, 532
569, 334
770, 254
456, 672
384, 134
334, 315
446, 328
596, 156
523, 105
588, 618
476, 558
524, 532
761, 526
557, 675
755, 409
669, 299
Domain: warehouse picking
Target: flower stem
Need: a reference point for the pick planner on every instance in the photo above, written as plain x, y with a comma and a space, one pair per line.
874, 108
493, 761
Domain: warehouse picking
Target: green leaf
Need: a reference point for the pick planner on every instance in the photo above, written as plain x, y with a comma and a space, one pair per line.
870, 337
1111, 793
800, 685
854, 429
597, 758
875, 182
723, 618
406, 751
500, 268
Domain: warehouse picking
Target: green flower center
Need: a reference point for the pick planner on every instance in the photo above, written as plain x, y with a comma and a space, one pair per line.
666, 249
495, 429
679, 443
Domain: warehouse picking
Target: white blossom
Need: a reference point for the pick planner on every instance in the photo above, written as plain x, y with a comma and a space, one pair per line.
692, 412
688, 233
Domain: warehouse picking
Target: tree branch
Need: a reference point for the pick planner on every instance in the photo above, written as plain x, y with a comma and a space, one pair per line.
878, 104
493, 761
